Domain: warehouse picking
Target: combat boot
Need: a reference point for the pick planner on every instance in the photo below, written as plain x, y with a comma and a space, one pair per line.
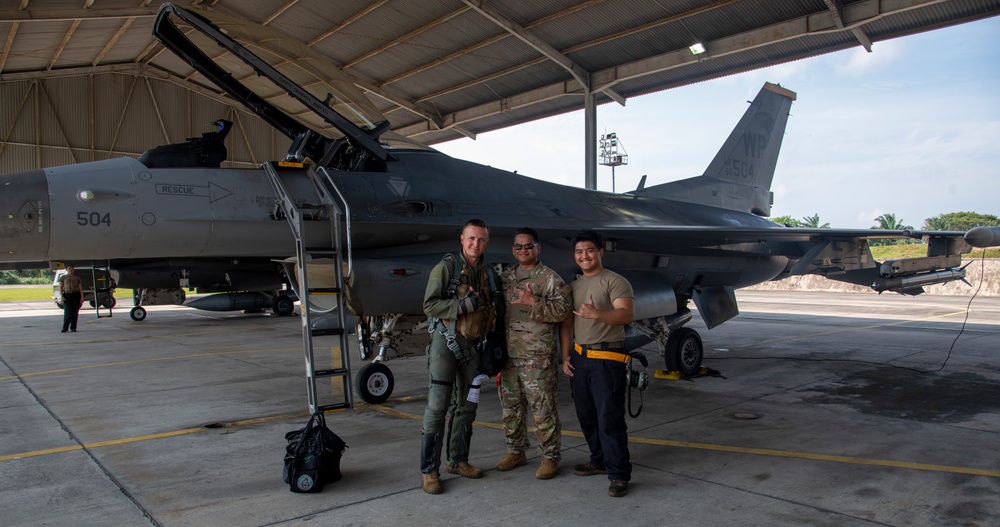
512, 461
432, 483
464, 469
548, 469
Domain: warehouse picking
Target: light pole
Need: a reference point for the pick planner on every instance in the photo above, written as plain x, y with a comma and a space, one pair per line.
612, 154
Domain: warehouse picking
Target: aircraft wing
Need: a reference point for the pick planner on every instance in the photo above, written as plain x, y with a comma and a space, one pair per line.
707, 236
838, 254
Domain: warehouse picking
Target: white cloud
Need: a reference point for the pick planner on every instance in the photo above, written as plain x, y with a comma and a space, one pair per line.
859, 63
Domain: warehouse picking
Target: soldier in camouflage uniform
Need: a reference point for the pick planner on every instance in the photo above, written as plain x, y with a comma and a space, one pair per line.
537, 300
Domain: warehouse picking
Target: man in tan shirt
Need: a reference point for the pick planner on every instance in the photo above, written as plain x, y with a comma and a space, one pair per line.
71, 287
594, 359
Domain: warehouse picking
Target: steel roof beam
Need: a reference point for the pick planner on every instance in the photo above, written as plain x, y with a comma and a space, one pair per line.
526, 64
578, 72
854, 16
52, 15
430, 25
484, 43
62, 45
9, 44
836, 8
113, 40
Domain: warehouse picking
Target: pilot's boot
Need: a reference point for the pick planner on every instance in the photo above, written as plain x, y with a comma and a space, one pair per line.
464, 469
432, 483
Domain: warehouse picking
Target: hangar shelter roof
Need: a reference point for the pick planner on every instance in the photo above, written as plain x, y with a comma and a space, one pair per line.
444, 69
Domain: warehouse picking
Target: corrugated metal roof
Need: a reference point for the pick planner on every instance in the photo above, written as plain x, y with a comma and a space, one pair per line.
440, 69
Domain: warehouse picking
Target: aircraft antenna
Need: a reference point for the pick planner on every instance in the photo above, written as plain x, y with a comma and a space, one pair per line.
613, 154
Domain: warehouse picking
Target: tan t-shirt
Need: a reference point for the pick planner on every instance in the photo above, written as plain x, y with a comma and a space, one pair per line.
70, 284
605, 287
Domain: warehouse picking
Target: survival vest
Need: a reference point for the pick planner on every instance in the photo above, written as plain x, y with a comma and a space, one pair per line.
475, 325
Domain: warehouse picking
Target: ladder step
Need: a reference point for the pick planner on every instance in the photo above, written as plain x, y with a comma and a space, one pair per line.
336, 406
323, 290
333, 372
330, 331
321, 250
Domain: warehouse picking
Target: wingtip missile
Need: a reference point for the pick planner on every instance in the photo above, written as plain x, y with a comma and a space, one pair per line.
983, 237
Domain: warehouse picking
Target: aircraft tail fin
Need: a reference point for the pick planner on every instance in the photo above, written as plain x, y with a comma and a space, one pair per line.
739, 177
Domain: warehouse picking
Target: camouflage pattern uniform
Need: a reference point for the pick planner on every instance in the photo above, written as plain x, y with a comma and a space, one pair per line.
531, 373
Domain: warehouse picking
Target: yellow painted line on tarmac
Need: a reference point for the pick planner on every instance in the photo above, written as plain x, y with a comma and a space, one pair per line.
818, 457
752, 451
861, 328
572, 433
148, 437
139, 361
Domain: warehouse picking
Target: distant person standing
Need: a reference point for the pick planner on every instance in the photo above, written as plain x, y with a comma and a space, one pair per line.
595, 359
537, 301
71, 287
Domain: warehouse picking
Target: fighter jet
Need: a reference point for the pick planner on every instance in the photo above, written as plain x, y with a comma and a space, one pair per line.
170, 223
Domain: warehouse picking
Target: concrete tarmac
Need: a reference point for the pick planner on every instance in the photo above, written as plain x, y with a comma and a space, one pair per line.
834, 410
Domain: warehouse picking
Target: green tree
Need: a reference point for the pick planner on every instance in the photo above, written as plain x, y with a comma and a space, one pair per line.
813, 221
787, 221
960, 221
937, 223
888, 222
808, 221
39, 276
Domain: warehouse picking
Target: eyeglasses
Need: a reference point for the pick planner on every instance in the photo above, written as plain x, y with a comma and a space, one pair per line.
527, 246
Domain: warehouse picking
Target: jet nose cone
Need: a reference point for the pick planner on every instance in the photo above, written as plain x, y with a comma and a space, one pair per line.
24, 234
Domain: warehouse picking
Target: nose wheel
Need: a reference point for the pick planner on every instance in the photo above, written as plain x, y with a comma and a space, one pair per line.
375, 383
137, 314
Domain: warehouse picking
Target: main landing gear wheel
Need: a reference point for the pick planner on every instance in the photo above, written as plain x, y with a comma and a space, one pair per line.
375, 383
138, 314
684, 352
282, 306
108, 301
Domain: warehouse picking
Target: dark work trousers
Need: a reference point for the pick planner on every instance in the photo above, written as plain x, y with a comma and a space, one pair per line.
598, 388
71, 310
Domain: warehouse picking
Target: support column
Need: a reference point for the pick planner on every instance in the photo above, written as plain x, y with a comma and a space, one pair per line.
590, 140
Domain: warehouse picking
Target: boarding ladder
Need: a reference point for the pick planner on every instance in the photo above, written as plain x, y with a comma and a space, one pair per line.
104, 288
315, 301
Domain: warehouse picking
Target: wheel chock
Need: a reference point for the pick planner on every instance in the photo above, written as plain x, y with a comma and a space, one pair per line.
668, 375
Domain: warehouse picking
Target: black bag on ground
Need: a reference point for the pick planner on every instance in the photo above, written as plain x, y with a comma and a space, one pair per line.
312, 457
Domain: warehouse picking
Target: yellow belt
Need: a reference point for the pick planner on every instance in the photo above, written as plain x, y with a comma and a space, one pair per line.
617, 356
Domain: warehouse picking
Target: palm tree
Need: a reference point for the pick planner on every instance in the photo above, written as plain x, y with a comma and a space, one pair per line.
813, 222
887, 222
787, 221
937, 223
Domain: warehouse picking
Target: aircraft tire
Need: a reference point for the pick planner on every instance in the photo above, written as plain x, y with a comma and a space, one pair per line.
283, 306
137, 314
92, 303
108, 302
375, 383
685, 351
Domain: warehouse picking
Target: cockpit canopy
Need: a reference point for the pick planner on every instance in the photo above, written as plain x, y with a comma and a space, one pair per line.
286, 83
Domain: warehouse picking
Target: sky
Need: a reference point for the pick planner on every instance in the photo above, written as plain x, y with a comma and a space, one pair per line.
911, 129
